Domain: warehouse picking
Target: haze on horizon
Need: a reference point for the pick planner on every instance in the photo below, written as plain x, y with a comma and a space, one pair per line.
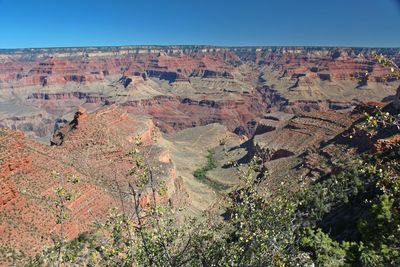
77, 23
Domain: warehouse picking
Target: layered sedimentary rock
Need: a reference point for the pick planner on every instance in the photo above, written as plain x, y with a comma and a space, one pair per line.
290, 79
297, 146
293, 106
27, 199
175, 113
44, 67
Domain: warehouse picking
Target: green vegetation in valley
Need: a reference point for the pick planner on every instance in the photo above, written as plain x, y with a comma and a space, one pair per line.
201, 173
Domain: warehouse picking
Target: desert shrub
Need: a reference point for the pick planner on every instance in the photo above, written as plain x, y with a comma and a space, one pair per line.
364, 192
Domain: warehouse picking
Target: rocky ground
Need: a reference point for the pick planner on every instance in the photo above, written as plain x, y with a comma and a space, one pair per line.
290, 105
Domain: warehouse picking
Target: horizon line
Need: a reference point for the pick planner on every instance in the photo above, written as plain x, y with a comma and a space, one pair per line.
197, 45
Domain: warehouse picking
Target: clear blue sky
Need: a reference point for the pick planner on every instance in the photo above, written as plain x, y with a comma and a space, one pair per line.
59, 23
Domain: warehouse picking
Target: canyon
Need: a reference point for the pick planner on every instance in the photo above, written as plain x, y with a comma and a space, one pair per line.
183, 87
78, 110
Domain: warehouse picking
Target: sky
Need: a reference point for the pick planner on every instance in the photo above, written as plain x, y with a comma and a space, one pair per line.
72, 23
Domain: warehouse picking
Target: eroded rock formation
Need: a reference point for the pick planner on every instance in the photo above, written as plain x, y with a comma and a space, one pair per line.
293, 106
94, 148
55, 82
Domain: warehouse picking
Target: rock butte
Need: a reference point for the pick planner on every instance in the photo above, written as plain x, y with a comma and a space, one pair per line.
184, 86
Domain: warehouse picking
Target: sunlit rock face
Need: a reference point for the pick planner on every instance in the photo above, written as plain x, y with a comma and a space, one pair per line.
86, 107
184, 86
94, 148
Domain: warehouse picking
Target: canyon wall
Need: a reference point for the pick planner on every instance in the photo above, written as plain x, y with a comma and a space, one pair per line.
186, 86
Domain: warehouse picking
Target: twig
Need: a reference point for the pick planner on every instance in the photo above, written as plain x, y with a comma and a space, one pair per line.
137, 212
62, 207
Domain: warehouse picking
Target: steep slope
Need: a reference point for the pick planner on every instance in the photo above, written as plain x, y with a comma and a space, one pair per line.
94, 150
295, 146
52, 83
189, 149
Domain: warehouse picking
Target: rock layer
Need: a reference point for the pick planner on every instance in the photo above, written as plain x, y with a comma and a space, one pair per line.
209, 82
92, 142
290, 104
